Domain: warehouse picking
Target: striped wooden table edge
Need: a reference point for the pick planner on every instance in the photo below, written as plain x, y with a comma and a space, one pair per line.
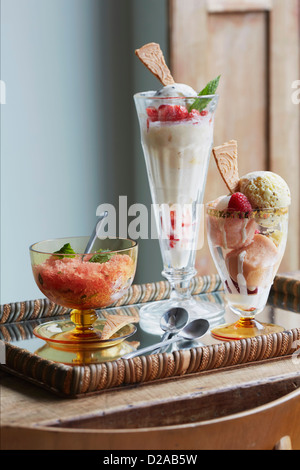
74, 381
288, 284
138, 293
284, 301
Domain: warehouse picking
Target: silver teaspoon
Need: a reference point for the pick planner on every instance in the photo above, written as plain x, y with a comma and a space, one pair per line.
94, 232
172, 322
192, 331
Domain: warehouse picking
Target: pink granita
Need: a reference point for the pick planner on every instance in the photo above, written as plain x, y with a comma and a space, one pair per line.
77, 283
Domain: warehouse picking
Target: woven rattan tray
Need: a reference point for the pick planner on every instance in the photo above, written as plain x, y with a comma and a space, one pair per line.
18, 319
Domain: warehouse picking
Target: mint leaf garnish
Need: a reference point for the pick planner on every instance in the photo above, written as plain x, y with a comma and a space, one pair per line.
210, 89
101, 256
66, 250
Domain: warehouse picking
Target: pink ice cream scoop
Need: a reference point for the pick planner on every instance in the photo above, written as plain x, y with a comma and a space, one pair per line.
256, 262
229, 232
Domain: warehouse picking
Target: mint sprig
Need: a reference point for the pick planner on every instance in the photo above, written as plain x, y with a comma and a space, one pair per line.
210, 89
101, 256
65, 250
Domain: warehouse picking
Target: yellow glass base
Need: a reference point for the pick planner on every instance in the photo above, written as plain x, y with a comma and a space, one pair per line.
84, 329
244, 328
78, 341
81, 333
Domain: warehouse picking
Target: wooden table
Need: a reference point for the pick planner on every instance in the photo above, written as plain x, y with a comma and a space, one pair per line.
192, 412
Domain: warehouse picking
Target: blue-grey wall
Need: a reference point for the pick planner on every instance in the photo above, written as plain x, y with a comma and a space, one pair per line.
69, 134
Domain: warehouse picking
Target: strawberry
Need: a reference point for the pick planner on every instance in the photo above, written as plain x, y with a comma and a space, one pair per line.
194, 114
167, 112
181, 112
239, 202
152, 113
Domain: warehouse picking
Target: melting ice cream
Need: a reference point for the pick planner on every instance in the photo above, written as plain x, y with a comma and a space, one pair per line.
247, 232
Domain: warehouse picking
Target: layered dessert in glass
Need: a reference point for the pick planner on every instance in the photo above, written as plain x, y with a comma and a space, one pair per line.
247, 233
176, 127
177, 145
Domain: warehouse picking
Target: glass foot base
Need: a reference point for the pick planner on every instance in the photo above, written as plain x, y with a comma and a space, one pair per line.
244, 329
150, 314
60, 335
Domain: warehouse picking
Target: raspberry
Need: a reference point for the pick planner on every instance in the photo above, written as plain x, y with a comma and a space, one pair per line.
167, 112
249, 292
239, 202
152, 113
204, 113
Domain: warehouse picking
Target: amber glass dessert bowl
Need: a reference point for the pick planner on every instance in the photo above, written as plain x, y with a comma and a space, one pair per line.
83, 283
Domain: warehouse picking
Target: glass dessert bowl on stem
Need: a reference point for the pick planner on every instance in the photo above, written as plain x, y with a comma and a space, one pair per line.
83, 282
177, 141
247, 248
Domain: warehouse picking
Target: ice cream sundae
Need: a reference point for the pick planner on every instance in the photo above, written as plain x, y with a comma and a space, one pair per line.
176, 134
247, 232
176, 125
176, 145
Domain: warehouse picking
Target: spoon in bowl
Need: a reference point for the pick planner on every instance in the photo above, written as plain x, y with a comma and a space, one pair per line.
192, 331
94, 232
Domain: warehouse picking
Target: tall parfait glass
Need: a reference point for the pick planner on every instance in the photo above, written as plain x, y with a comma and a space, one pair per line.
177, 140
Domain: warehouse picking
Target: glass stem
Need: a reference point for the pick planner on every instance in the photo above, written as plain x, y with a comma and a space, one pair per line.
83, 320
246, 322
181, 290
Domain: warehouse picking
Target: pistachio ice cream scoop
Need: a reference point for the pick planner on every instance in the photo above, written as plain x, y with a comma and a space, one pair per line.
265, 189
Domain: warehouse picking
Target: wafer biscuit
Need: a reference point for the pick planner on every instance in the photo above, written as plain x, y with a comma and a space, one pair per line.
152, 57
114, 323
226, 159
